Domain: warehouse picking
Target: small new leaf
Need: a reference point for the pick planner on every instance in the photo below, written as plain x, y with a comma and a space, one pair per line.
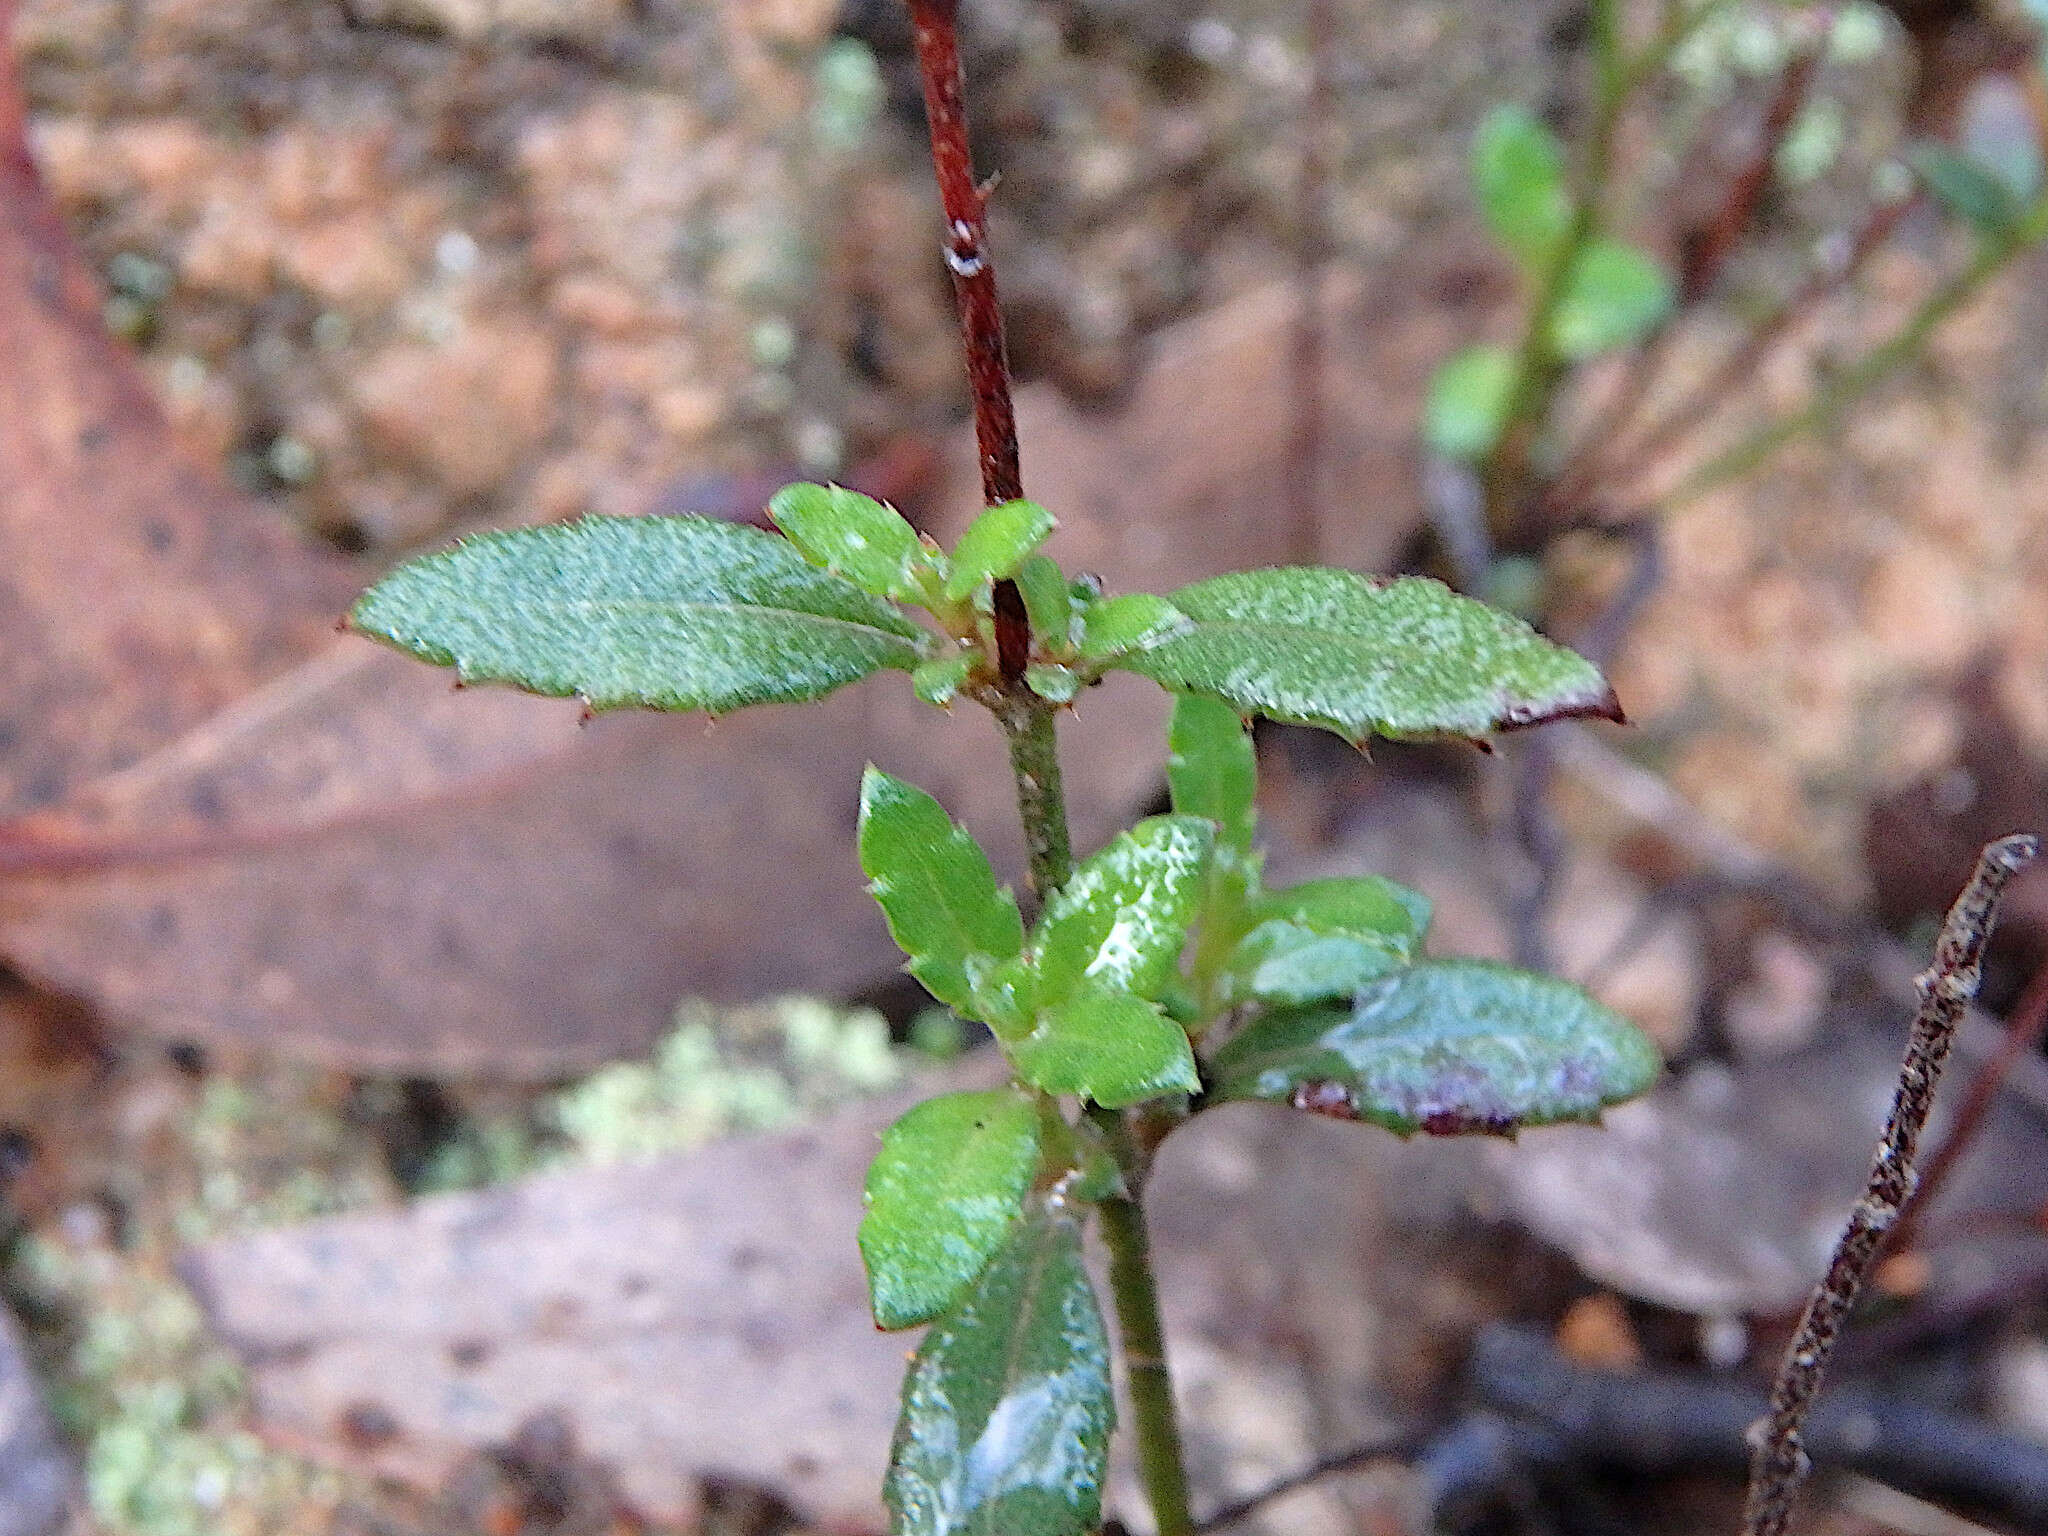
942, 1195
1211, 767
1614, 295
1468, 403
1448, 1047
1110, 1047
1405, 658
995, 545
1370, 907
1121, 920
937, 890
851, 535
664, 612
1007, 1409
1518, 176
1134, 622
1284, 964
1047, 603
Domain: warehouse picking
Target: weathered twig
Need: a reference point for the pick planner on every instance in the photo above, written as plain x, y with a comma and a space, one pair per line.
2023, 1030
1779, 1463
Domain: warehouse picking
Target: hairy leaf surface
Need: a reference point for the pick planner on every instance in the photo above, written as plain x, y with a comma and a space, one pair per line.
1401, 658
665, 612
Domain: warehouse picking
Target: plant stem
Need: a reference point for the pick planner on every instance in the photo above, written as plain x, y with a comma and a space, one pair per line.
1028, 728
1537, 368
1027, 723
1160, 1466
1779, 1463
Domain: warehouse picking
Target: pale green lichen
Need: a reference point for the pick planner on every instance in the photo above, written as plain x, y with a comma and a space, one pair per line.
159, 1409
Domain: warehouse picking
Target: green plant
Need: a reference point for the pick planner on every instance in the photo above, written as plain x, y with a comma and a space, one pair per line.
1587, 293
1161, 974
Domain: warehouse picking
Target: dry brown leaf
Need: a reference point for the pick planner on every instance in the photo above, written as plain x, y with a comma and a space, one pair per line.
705, 1315
343, 859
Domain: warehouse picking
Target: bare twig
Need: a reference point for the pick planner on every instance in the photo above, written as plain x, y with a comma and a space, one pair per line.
1779, 1463
1400, 1445
2023, 1030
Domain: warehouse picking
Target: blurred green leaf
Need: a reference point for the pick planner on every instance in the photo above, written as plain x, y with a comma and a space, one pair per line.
1371, 907
1614, 295
1212, 769
942, 1195
1110, 1047
1134, 622
1121, 920
1399, 658
1969, 190
1448, 1047
936, 888
666, 612
1007, 1409
851, 535
996, 544
1468, 403
1518, 177
1279, 962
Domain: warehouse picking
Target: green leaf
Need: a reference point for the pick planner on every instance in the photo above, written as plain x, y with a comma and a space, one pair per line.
667, 612
1614, 295
851, 535
942, 1195
1281, 963
1136, 621
1447, 1047
1518, 176
1370, 907
938, 680
1468, 403
1401, 658
1121, 920
936, 889
1046, 603
996, 544
1212, 768
1968, 189
1110, 1047
1006, 1408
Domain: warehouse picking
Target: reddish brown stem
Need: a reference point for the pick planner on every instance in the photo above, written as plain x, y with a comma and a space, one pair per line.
965, 200
1709, 254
